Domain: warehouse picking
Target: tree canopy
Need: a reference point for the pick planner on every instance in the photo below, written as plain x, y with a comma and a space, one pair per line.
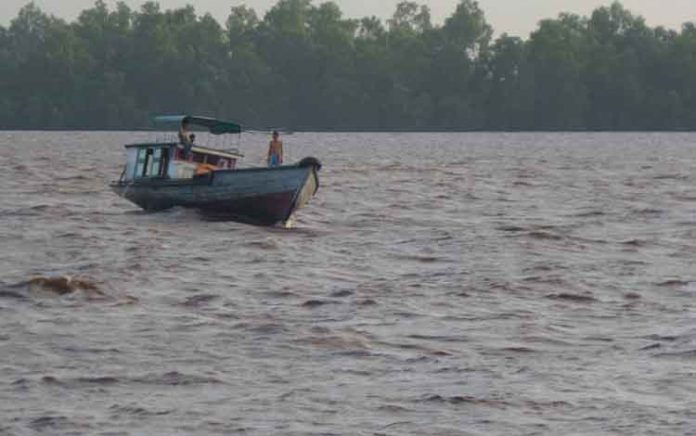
306, 66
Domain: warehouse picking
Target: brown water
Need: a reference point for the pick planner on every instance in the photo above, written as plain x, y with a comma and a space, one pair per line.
439, 284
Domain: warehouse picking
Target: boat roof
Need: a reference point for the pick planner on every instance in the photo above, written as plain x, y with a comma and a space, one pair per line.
214, 126
230, 154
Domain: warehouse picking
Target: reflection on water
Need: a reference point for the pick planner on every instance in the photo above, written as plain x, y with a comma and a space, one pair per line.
438, 284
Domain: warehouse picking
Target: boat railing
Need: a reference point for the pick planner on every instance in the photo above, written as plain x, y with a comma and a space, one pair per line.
122, 178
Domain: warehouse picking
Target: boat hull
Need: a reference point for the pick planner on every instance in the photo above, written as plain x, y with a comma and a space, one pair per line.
262, 196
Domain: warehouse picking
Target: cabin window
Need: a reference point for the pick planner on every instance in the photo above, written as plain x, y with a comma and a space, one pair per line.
227, 164
152, 162
141, 162
164, 163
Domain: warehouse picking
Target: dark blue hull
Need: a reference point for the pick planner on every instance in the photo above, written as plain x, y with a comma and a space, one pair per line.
263, 196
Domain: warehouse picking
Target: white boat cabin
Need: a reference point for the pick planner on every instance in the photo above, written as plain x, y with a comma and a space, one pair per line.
168, 161
167, 158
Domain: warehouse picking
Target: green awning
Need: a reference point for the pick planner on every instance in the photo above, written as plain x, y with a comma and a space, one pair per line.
216, 127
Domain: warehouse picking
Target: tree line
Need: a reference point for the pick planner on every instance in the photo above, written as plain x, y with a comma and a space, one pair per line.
306, 66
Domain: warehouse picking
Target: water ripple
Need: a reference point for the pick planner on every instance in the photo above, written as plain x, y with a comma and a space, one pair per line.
439, 284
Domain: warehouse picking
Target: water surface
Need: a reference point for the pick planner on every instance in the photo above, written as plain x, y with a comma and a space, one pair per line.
440, 284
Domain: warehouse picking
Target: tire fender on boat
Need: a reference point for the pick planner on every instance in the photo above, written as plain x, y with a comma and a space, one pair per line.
310, 162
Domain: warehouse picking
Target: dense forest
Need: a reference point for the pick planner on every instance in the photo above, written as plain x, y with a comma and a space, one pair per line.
306, 66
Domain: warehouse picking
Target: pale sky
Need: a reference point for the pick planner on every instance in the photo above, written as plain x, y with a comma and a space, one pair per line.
516, 17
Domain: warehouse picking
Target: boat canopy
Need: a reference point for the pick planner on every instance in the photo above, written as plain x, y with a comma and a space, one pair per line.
216, 127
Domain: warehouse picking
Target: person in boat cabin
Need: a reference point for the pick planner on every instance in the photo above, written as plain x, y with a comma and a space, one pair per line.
186, 138
275, 151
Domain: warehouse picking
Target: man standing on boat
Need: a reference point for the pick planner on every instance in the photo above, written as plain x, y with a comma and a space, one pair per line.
275, 151
186, 138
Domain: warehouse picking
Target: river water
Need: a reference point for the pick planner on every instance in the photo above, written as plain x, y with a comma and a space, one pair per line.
439, 284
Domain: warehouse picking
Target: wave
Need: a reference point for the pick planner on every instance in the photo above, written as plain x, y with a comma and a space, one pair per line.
317, 303
671, 177
462, 399
589, 214
574, 298
46, 423
12, 295
637, 243
62, 285
197, 301
688, 354
674, 283
544, 236
172, 378
268, 244
138, 411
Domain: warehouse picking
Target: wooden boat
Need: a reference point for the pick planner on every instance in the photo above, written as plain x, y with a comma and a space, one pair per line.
163, 174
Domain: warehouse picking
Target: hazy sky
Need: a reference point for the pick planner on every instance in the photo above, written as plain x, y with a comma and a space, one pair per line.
516, 17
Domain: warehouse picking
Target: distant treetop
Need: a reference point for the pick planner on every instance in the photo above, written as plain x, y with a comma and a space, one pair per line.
306, 66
